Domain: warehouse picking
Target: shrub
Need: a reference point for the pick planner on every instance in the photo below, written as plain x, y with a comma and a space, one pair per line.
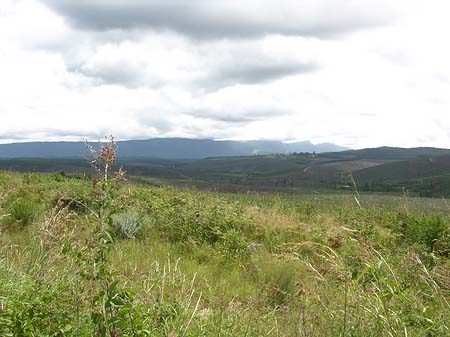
189, 220
32, 309
233, 245
423, 229
128, 225
442, 245
75, 198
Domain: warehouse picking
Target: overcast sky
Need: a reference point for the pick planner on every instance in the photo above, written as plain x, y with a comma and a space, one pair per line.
358, 73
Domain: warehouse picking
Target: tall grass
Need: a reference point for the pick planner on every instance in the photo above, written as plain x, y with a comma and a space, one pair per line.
188, 263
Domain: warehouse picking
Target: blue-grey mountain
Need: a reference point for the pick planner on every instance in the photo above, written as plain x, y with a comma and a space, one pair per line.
166, 148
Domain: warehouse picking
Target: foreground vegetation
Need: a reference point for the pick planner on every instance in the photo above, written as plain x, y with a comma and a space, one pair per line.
111, 258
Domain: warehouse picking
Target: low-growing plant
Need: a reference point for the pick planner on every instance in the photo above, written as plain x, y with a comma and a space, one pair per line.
20, 211
280, 284
306, 209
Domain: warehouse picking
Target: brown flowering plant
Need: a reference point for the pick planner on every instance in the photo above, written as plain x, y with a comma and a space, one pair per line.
110, 303
104, 159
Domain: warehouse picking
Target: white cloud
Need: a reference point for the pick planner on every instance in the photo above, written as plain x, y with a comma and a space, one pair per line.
271, 77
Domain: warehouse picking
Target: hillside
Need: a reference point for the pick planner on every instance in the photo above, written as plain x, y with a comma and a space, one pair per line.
388, 153
428, 176
407, 169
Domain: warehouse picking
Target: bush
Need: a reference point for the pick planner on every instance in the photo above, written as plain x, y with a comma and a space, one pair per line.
424, 230
184, 218
128, 225
442, 245
76, 197
39, 310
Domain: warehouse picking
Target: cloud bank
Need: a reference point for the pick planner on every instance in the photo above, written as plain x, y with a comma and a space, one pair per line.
226, 19
356, 73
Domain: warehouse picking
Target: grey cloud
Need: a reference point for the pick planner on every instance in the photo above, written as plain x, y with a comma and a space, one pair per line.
11, 135
211, 67
257, 73
133, 77
46, 133
120, 74
225, 19
159, 123
238, 117
204, 127
77, 133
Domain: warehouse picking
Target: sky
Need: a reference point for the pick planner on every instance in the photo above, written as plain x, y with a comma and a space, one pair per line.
357, 73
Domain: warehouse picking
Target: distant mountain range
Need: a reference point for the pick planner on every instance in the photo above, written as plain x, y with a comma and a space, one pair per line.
166, 148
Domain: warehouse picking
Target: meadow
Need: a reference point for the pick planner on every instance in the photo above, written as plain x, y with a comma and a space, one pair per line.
97, 255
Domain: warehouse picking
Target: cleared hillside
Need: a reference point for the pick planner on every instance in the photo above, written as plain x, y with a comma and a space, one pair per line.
389, 153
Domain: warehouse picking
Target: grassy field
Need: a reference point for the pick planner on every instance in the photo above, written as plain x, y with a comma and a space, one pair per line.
82, 259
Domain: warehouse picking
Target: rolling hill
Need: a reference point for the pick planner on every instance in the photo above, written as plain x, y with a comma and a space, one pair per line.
166, 148
427, 176
388, 153
424, 171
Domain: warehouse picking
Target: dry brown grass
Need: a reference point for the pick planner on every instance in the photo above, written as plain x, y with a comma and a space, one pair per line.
58, 227
271, 219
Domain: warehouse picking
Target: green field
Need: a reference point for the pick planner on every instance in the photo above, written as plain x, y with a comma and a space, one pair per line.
79, 258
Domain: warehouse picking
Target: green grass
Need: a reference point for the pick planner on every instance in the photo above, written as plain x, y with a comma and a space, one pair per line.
217, 264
